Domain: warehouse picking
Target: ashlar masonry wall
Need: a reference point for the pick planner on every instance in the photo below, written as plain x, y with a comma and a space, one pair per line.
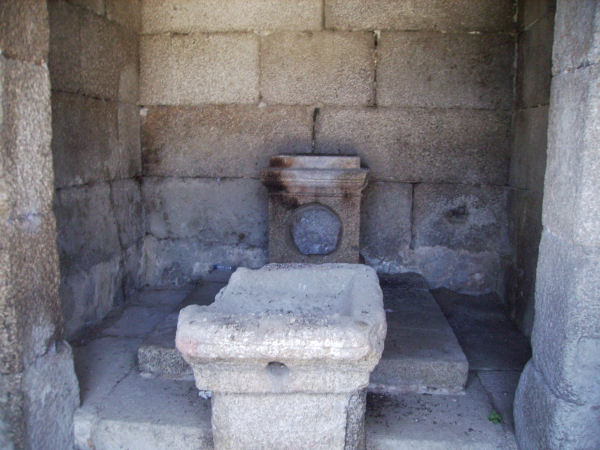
528, 160
422, 91
96, 149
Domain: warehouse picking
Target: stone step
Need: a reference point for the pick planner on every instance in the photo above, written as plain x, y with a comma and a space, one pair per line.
121, 409
421, 353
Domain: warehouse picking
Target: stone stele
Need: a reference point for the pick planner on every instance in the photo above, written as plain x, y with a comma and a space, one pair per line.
314, 208
287, 351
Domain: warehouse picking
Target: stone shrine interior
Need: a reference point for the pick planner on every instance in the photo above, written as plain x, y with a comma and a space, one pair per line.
193, 138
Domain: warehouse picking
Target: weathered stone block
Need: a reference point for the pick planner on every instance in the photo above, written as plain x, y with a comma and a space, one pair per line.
126, 201
96, 6
198, 68
461, 217
530, 11
185, 16
385, 220
130, 267
180, 261
125, 12
528, 162
455, 15
221, 141
129, 145
420, 145
85, 142
88, 295
26, 134
572, 50
24, 30
534, 64
543, 420
460, 270
31, 311
64, 60
109, 59
226, 211
322, 67
12, 428
445, 70
572, 192
51, 397
525, 228
87, 229
565, 342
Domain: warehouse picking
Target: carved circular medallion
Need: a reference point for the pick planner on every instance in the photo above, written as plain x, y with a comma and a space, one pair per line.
315, 229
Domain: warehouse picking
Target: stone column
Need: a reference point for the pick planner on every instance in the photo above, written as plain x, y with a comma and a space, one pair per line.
38, 387
557, 403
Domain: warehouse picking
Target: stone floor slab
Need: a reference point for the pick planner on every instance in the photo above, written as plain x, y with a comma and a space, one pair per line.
421, 353
482, 325
413, 421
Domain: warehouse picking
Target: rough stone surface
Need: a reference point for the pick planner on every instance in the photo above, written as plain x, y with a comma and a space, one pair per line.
120, 409
543, 420
525, 229
460, 270
229, 211
435, 421
109, 60
168, 262
483, 327
454, 15
88, 294
420, 145
572, 193
316, 230
445, 70
469, 218
125, 12
221, 141
321, 67
528, 162
530, 11
64, 60
24, 30
326, 334
567, 352
198, 68
385, 220
93, 140
51, 397
185, 16
574, 50
534, 63
307, 421
26, 137
421, 353
126, 200
95, 6
87, 229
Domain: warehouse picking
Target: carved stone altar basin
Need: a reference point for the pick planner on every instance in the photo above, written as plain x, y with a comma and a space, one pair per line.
286, 351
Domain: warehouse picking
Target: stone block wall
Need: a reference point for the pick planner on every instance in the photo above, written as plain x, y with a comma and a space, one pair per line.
38, 387
94, 67
422, 91
528, 160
